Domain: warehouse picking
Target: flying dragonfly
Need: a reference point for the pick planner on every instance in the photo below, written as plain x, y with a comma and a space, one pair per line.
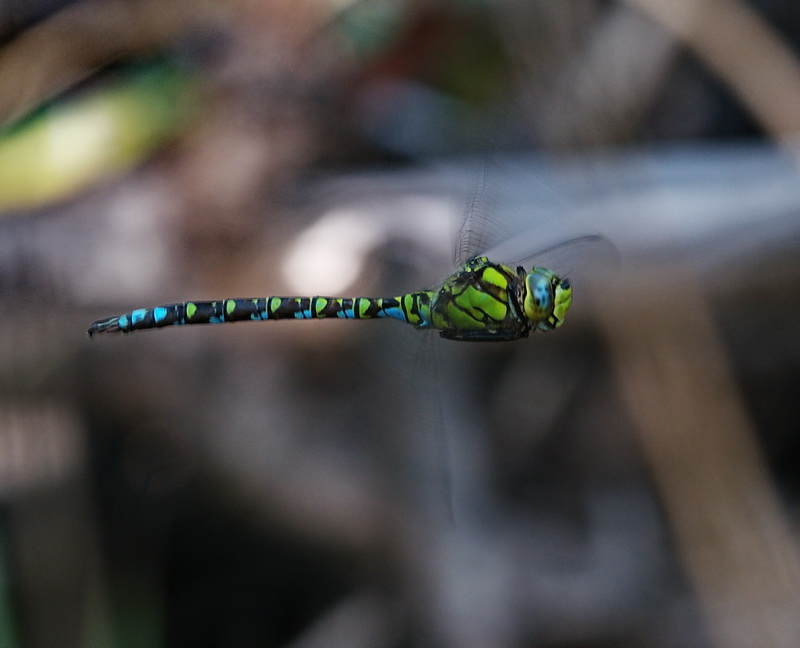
481, 301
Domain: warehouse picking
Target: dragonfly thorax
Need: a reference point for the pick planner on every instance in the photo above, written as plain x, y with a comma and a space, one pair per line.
547, 299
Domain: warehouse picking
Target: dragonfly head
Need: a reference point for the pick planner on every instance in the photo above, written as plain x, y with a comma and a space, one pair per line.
547, 299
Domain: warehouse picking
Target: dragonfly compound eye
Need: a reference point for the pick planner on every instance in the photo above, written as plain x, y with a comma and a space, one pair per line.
539, 296
547, 300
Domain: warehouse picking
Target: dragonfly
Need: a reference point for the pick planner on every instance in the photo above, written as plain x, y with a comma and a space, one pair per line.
481, 301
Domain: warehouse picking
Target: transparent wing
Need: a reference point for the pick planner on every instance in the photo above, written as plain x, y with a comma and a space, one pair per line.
518, 217
479, 229
565, 256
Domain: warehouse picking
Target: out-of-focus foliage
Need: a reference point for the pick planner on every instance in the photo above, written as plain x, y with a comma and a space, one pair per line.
63, 147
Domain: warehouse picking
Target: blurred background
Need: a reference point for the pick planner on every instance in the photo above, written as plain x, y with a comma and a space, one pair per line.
629, 480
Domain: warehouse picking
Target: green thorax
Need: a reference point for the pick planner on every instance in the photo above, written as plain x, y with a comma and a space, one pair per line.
489, 301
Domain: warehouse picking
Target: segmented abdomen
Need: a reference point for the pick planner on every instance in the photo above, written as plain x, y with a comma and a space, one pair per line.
413, 308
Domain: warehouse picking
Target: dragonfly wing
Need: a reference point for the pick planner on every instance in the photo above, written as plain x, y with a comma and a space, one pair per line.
480, 225
563, 255
499, 222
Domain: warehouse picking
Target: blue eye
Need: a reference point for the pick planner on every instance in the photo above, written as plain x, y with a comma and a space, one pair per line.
541, 294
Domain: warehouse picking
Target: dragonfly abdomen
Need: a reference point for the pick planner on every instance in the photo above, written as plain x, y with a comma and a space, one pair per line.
413, 308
